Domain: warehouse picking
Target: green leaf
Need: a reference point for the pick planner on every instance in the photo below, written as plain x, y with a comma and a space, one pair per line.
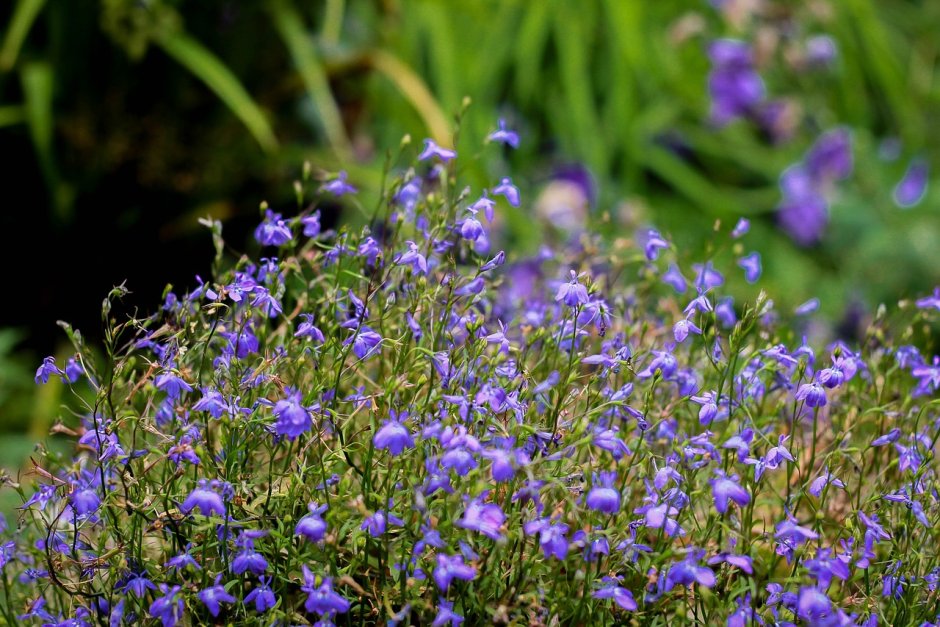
210, 70
24, 15
304, 54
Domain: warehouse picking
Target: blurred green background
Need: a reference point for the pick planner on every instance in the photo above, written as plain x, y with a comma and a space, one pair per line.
123, 121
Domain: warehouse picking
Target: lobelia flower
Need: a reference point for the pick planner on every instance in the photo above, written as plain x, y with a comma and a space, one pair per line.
726, 489
169, 608
213, 597
735, 87
394, 435
307, 329
508, 191
445, 614
654, 243
366, 343
551, 536
673, 278
743, 562
206, 499
262, 596
912, 187
927, 302
709, 407
682, 329
613, 590
813, 393
504, 135
138, 584
322, 599
889, 438
431, 150
751, 266
741, 228
604, 497
312, 526
293, 419
73, 370
689, 571
172, 384
337, 186
273, 230
449, 568
487, 518
249, 560
311, 224
820, 482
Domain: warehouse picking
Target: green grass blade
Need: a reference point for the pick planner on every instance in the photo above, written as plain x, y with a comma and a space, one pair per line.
416, 92
203, 64
304, 54
24, 15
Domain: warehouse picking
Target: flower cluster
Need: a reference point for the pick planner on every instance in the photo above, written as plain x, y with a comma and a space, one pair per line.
404, 425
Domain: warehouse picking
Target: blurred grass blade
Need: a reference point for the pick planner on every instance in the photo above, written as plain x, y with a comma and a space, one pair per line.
413, 88
300, 45
24, 15
210, 70
12, 115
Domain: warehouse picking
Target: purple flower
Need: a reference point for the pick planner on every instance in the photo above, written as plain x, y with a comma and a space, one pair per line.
613, 590
431, 149
813, 393
449, 568
446, 614
743, 562
262, 596
682, 328
735, 87
138, 584
912, 187
741, 228
688, 572
706, 277
654, 243
830, 158
604, 496
73, 370
85, 502
551, 536
172, 384
470, 228
673, 278
207, 500
168, 609
751, 265
309, 330
808, 307
248, 560
725, 489
508, 191
927, 302
338, 187
820, 483
889, 438
394, 435
213, 596
572, 293
365, 343
273, 231
814, 607
322, 599
312, 526
504, 135
311, 224
293, 419
487, 518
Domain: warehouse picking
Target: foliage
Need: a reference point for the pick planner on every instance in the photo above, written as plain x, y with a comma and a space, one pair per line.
400, 424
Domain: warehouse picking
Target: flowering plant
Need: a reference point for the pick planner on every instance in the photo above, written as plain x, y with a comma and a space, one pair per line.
406, 425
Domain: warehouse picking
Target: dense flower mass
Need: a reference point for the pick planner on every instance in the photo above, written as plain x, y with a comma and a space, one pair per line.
398, 426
